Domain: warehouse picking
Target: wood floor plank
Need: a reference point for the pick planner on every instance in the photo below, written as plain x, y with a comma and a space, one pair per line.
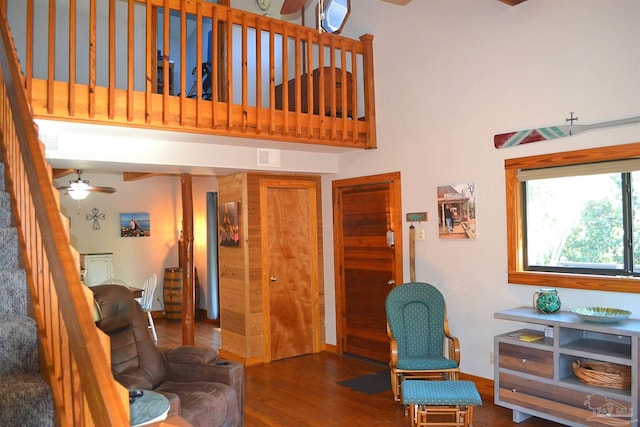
304, 391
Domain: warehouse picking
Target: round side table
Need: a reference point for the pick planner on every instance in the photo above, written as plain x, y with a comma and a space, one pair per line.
149, 408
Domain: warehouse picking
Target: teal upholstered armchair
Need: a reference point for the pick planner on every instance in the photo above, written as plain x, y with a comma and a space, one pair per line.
421, 345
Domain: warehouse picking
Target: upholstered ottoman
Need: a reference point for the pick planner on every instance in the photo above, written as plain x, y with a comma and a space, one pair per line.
453, 399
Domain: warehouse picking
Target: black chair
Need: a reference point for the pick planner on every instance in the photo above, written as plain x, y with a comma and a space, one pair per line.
207, 88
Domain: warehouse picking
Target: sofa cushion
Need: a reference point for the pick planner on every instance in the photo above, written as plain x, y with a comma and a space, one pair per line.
202, 403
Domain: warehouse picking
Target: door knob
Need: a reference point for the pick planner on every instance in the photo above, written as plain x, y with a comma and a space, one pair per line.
391, 282
273, 278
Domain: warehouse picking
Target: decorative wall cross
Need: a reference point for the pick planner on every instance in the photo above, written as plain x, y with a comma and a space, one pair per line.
571, 119
95, 216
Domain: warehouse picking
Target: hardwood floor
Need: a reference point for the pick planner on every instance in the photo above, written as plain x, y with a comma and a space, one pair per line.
304, 391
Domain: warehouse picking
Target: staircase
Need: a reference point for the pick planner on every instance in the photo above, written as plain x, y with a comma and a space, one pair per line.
25, 397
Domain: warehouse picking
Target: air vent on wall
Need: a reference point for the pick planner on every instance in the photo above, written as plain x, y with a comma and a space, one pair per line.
268, 157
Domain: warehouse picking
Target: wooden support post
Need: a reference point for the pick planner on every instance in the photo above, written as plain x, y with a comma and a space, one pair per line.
188, 291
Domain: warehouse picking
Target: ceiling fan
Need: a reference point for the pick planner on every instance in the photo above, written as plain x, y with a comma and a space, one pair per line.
79, 188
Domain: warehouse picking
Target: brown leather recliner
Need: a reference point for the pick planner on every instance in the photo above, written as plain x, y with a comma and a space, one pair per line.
201, 388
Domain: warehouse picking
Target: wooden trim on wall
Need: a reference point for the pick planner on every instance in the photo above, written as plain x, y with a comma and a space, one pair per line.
515, 226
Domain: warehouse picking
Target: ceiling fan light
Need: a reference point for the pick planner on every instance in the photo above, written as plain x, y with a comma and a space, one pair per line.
78, 190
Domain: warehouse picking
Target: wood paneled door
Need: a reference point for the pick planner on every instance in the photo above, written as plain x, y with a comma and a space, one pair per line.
290, 275
367, 264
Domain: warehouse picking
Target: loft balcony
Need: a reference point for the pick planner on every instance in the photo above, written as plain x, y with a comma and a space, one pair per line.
193, 66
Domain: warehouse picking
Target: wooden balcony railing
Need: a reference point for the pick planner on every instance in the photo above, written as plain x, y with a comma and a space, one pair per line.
75, 355
194, 66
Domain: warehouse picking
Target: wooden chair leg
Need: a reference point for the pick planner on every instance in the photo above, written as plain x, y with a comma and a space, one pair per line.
395, 385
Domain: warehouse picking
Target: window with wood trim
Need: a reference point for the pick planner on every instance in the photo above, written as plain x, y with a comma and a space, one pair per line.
573, 219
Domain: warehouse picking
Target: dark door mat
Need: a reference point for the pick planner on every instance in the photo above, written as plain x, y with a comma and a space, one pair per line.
374, 383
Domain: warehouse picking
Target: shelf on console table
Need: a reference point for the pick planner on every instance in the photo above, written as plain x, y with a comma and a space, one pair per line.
535, 378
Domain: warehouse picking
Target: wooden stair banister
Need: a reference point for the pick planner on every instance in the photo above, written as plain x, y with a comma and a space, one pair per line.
76, 356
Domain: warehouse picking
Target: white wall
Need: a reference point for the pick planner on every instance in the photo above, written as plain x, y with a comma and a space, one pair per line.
135, 258
450, 74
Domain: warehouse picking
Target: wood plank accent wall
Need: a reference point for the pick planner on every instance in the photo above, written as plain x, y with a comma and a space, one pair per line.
242, 319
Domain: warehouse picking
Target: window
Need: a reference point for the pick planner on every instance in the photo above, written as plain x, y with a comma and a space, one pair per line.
574, 219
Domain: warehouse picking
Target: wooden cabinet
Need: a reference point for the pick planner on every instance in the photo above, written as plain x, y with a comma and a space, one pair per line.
535, 377
98, 268
331, 89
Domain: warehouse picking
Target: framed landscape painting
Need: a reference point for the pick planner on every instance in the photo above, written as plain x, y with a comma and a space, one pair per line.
136, 224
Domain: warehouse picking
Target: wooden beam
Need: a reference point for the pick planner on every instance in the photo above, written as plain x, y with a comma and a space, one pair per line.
136, 176
61, 173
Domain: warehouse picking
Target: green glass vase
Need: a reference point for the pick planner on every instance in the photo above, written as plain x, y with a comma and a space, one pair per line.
546, 300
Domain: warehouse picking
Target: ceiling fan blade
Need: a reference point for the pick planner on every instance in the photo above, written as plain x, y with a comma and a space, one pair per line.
102, 189
90, 188
82, 185
398, 2
291, 6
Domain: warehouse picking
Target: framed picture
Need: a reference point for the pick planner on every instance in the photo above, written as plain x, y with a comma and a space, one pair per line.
136, 224
457, 211
228, 227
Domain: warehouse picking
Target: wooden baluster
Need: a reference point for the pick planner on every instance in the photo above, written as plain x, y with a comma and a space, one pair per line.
29, 51
51, 56
332, 91
130, 58
229, 50
285, 81
245, 75
166, 52
199, 62
71, 106
321, 89
272, 80
183, 64
344, 84
298, 83
92, 58
112, 59
354, 92
215, 67
259, 76
308, 45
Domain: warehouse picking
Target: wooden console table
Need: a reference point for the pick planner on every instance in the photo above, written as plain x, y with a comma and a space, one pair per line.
534, 375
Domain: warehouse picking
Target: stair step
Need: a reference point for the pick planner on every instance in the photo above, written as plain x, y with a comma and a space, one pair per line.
5, 209
25, 400
8, 248
13, 292
18, 346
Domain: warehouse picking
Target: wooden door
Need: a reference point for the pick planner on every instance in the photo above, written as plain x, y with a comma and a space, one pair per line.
290, 274
367, 266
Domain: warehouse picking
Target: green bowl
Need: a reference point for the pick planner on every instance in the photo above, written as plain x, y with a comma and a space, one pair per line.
601, 314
